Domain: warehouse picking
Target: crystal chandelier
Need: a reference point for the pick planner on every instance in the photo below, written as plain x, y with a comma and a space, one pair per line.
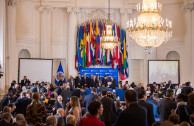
150, 30
109, 41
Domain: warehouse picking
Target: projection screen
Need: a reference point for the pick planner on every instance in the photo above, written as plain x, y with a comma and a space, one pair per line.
36, 69
165, 70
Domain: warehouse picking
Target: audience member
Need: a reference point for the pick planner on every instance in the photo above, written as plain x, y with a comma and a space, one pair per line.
189, 109
36, 112
71, 121
66, 94
71, 83
184, 124
89, 98
108, 116
180, 109
166, 105
59, 88
134, 114
51, 121
21, 123
59, 103
192, 119
166, 123
174, 118
75, 108
142, 101
60, 117
22, 103
188, 89
95, 109
5, 120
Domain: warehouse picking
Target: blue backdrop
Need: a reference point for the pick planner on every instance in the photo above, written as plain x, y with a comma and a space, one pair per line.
101, 72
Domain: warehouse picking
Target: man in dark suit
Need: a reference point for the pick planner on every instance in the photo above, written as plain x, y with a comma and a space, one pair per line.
109, 109
142, 101
187, 90
166, 105
66, 94
134, 114
36, 88
59, 88
104, 81
71, 82
78, 81
85, 81
60, 117
93, 82
113, 81
24, 81
22, 103
89, 98
5, 121
59, 103
43, 88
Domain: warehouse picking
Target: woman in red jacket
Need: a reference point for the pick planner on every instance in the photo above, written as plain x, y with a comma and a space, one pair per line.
95, 109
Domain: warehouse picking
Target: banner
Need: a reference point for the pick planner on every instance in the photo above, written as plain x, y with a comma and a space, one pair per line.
101, 72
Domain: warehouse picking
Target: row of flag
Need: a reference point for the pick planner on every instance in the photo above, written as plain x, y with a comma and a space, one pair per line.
90, 53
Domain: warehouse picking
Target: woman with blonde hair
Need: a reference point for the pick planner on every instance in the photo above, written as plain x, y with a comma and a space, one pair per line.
75, 108
36, 112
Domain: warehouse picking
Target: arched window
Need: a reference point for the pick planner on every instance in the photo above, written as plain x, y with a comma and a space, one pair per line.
173, 55
24, 53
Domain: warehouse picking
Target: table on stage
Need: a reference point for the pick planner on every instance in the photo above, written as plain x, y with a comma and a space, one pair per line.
118, 92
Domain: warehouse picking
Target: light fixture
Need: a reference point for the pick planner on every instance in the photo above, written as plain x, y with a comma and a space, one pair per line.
150, 30
109, 41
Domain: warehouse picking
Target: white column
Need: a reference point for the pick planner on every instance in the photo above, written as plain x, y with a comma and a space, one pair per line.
189, 42
11, 55
2, 46
124, 16
45, 32
72, 40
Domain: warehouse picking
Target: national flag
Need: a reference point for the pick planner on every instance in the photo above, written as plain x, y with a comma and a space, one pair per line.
60, 75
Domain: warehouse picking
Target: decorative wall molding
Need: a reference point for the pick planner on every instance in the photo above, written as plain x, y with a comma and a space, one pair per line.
73, 10
45, 9
93, 14
13, 3
189, 5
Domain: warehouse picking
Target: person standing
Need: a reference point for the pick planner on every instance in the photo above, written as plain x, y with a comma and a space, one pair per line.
142, 101
36, 112
95, 109
85, 81
134, 114
78, 81
166, 105
108, 116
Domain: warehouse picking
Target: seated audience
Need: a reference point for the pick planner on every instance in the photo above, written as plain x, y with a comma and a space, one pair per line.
51, 121
36, 112
134, 114
95, 109
71, 121
5, 120
166, 105
184, 124
174, 118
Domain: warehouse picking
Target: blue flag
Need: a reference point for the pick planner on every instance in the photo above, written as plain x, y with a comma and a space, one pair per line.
60, 75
